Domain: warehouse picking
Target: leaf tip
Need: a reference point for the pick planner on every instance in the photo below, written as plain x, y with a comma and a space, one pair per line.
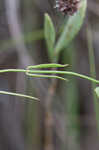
97, 91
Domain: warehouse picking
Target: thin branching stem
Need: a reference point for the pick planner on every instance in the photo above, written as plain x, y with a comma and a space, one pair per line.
50, 72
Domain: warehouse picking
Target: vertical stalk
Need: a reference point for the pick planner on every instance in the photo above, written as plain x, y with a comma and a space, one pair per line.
49, 122
92, 70
71, 104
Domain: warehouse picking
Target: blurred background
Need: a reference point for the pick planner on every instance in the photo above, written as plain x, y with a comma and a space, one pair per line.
65, 116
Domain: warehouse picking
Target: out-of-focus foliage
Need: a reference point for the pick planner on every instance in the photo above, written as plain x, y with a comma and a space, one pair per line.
64, 119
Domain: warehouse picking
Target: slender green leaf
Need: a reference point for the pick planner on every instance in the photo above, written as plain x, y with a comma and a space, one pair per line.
71, 28
49, 33
47, 66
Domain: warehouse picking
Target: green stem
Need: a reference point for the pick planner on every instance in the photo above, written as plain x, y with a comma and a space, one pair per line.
65, 73
92, 71
18, 94
51, 72
12, 70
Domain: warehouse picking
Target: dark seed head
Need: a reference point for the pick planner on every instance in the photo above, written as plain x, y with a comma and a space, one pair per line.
67, 7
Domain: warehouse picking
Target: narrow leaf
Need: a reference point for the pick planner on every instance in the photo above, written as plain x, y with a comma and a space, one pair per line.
71, 28
49, 33
41, 66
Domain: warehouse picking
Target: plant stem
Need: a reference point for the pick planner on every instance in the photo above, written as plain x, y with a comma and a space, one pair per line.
51, 72
19, 95
92, 70
66, 73
12, 70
